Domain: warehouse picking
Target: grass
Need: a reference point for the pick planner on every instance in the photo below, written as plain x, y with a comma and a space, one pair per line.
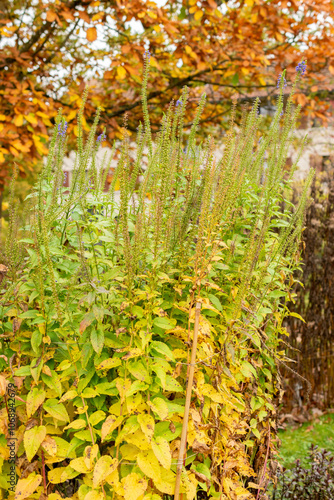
297, 441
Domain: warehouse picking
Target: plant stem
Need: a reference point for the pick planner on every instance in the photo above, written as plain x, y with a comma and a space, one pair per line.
187, 405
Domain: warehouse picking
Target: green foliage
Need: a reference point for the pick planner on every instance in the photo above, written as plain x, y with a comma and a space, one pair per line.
98, 308
295, 442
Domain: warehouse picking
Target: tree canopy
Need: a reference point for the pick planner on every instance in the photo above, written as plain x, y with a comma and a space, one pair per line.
50, 50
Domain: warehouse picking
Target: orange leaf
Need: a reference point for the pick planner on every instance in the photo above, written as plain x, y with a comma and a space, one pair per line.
331, 69
91, 34
67, 15
51, 16
84, 16
108, 75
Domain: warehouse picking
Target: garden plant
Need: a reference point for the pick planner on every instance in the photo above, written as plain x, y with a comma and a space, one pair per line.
312, 480
97, 316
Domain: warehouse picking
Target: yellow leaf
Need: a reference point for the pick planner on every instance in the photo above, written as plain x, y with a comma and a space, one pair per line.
33, 439
148, 464
94, 495
25, 487
109, 363
80, 465
80, 423
139, 439
250, 3
71, 115
103, 468
146, 423
91, 34
2, 118
121, 72
62, 474
97, 16
90, 455
193, 9
157, 28
34, 399
152, 15
31, 118
167, 483
228, 485
159, 406
134, 486
110, 424
198, 15
192, 2
50, 446
18, 120
212, 393
113, 480
68, 395
129, 451
161, 450
152, 496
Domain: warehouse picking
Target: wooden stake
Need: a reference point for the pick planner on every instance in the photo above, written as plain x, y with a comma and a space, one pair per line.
187, 405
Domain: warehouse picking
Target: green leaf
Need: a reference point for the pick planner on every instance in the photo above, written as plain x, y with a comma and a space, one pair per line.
52, 382
137, 386
172, 384
164, 323
248, 370
97, 339
215, 301
29, 314
168, 430
162, 349
203, 469
235, 79
23, 371
56, 410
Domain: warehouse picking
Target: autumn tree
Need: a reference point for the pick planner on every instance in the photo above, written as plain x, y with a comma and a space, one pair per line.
51, 49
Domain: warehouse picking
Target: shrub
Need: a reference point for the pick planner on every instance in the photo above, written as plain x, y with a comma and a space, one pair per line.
98, 311
312, 480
